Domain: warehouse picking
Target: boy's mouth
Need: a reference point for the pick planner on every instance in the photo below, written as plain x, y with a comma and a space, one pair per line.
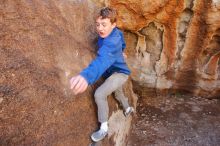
101, 33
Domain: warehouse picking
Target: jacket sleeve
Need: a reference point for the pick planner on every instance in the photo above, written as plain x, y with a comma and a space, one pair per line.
123, 41
105, 58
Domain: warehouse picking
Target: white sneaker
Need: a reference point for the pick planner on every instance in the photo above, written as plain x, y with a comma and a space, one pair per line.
99, 135
128, 111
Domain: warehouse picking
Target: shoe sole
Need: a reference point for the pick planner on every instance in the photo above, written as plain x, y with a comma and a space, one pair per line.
96, 140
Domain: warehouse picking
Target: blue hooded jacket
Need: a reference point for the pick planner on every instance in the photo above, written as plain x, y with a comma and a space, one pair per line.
109, 58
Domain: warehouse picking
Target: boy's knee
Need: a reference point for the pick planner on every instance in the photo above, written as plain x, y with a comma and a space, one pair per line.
99, 95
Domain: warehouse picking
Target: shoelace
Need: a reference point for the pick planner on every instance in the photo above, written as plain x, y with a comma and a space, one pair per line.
102, 132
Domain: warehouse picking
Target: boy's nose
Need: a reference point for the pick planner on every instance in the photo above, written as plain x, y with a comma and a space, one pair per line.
100, 28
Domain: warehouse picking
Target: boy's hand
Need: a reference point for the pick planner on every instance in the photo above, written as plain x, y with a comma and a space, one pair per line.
78, 84
125, 56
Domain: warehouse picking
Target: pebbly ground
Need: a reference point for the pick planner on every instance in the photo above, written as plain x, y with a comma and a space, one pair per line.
176, 121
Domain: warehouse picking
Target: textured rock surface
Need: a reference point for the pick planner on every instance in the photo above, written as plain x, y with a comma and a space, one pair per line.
173, 46
42, 44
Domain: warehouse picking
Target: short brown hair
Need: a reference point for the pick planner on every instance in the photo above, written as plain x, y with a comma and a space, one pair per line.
108, 12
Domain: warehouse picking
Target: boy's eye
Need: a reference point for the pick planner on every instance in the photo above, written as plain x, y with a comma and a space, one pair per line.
101, 24
104, 24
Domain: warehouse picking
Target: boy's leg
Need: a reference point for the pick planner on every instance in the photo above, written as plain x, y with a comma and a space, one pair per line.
119, 95
110, 85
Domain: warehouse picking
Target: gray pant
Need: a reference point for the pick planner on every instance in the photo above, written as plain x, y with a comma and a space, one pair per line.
112, 84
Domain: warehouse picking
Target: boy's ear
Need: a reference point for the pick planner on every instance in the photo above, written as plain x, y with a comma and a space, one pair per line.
114, 24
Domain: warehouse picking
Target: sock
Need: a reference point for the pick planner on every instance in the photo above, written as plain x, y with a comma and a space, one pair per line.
104, 126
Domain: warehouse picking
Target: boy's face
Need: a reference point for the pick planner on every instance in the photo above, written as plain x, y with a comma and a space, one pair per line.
104, 26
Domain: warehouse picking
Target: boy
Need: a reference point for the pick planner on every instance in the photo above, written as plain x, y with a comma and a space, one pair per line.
110, 64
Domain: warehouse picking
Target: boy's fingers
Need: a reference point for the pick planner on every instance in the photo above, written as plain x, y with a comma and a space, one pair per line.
74, 82
82, 87
72, 79
79, 84
125, 56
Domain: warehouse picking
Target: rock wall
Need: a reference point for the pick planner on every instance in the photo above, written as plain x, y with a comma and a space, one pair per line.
43, 44
173, 46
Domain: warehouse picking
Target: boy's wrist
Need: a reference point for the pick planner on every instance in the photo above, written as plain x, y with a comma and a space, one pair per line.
83, 75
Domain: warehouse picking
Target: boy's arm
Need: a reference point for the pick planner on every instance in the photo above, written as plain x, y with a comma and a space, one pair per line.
123, 41
96, 68
123, 44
